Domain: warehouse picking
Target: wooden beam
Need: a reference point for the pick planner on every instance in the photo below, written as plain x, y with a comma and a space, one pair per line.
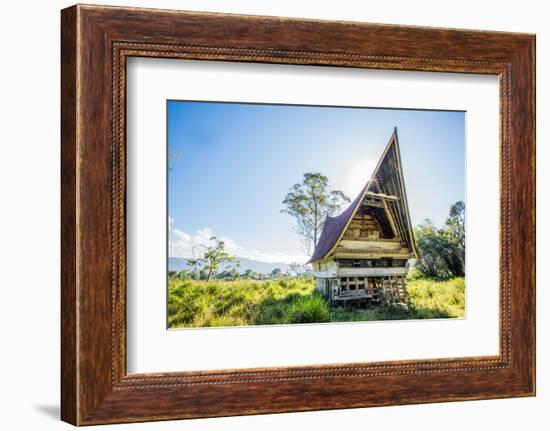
372, 203
366, 255
372, 272
382, 196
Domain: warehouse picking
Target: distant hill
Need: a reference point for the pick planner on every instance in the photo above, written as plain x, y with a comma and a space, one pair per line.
179, 263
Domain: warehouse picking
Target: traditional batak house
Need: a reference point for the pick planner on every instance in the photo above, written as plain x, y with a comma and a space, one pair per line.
362, 254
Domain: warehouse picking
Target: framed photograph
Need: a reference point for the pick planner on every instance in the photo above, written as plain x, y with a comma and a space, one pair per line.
267, 215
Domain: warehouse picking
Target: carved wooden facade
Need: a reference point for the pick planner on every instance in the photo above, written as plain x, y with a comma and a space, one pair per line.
362, 254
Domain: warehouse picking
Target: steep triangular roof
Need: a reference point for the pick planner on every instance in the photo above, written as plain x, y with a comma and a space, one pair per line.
387, 179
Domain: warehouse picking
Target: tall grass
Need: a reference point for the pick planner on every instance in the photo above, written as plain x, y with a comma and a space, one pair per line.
433, 298
249, 302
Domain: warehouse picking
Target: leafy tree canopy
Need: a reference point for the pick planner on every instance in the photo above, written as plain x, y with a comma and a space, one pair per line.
310, 202
442, 251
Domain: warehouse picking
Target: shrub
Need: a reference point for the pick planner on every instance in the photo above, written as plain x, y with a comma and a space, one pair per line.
311, 309
272, 312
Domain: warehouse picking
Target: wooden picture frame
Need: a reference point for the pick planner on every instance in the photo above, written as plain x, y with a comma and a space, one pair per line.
95, 43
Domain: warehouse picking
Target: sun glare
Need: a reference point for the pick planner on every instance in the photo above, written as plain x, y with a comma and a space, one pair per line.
358, 176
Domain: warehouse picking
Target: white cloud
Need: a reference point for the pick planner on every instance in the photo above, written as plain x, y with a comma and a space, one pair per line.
182, 244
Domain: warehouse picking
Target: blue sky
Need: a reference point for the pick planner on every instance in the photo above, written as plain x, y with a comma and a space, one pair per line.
237, 161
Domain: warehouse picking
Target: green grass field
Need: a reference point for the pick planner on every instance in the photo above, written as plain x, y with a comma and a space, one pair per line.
249, 302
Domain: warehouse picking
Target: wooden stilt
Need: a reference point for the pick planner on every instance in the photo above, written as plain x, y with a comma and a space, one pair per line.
404, 287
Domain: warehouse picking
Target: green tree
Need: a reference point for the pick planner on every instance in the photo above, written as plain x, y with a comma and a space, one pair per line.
431, 248
442, 251
276, 273
195, 264
455, 234
310, 202
249, 273
185, 274
228, 274
213, 256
